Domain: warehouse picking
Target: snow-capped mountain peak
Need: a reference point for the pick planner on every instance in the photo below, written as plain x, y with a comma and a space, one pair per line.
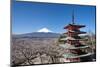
46, 30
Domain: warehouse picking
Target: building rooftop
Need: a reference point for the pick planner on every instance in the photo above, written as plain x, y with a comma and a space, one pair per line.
72, 38
75, 31
74, 25
69, 46
70, 55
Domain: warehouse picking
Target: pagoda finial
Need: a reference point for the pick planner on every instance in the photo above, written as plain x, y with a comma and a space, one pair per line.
73, 17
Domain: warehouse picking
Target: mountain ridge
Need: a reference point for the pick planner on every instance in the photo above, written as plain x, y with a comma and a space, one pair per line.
37, 35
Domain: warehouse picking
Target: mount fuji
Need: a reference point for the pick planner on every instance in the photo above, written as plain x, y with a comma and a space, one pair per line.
46, 30
42, 33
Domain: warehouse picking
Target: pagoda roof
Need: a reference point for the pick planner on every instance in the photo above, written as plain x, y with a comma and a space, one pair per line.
70, 55
72, 38
74, 25
69, 46
75, 31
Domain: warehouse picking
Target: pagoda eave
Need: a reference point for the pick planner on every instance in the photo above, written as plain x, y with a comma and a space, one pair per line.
79, 56
78, 26
72, 39
76, 32
66, 46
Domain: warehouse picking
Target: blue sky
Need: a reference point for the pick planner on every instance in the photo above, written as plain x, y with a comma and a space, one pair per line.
31, 16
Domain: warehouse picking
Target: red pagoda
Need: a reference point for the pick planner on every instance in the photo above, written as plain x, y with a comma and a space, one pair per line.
75, 50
